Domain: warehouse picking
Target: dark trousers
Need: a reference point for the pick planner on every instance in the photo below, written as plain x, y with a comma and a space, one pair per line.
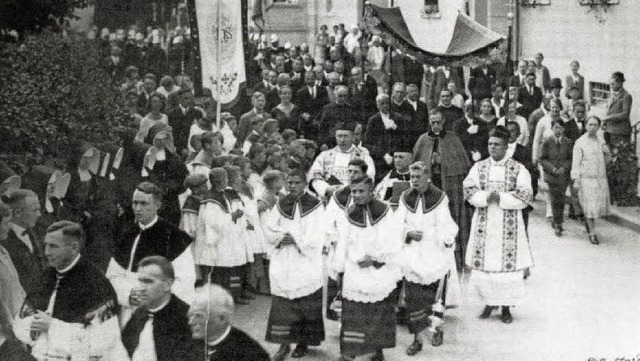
557, 195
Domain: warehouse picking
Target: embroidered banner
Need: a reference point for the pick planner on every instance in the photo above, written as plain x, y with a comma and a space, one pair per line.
220, 63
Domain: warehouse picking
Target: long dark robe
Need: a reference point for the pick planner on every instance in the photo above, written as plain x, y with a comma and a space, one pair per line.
454, 168
237, 346
170, 329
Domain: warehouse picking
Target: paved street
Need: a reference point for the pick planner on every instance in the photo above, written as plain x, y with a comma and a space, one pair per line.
584, 301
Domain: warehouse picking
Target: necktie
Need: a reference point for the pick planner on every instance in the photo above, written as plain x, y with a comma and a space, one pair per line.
531, 90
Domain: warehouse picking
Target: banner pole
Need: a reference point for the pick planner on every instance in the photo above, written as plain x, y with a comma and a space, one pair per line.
218, 46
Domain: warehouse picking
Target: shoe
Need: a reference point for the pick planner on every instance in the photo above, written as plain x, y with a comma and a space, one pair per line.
527, 273
240, 301
593, 239
282, 353
415, 347
438, 338
558, 232
487, 311
506, 315
248, 296
300, 351
378, 356
559, 226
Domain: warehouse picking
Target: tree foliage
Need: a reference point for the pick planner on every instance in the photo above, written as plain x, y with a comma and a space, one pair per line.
53, 96
37, 15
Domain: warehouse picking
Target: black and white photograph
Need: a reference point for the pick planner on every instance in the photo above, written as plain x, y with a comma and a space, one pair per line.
335, 180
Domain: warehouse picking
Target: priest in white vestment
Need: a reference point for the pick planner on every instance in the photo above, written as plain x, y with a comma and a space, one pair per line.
498, 251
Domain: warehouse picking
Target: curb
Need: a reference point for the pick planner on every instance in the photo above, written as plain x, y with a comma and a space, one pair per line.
623, 219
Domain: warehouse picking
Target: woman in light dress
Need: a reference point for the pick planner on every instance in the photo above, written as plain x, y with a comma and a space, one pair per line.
155, 116
589, 175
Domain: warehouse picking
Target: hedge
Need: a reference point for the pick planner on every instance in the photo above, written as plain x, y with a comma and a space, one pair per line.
54, 95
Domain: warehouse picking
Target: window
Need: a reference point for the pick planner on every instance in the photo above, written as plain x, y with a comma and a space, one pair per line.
599, 93
329, 5
286, 2
431, 9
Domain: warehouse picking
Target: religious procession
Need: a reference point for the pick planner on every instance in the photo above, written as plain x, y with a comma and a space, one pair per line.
203, 180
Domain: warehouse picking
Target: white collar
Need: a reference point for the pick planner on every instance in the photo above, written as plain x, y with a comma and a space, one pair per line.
163, 305
148, 225
469, 120
351, 149
221, 338
19, 230
66, 269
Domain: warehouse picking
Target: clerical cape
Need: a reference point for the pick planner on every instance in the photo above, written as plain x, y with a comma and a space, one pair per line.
296, 270
170, 329
160, 239
368, 230
85, 323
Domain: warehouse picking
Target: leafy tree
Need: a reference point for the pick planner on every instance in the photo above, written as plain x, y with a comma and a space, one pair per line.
36, 15
54, 95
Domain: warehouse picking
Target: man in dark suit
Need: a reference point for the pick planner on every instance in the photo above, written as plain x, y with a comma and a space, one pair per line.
244, 125
273, 96
419, 123
577, 125
480, 82
362, 95
211, 330
522, 155
616, 124
24, 249
310, 99
180, 123
555, 157
297, 75
148, 87
449, 112
160, 311
473, 133
519, 79
530, 96
442, 78
385, 130
333, 113
398, 103
264, 86
114, 64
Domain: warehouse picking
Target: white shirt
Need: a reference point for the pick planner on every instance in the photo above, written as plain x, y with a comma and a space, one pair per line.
413, 104
388, 122
146, 350
24, 237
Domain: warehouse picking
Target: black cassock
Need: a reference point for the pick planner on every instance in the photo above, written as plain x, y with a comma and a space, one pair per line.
170, 329
237, 346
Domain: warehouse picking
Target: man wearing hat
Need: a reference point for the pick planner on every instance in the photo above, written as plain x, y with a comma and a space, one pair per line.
529, 95
498, 251
330, 169
555, 88
397, 180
